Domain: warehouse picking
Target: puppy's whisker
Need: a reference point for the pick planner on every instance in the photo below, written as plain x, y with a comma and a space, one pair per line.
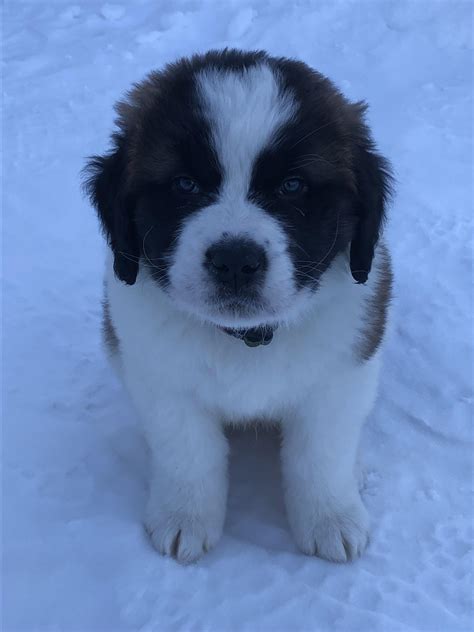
299, 210
316, 266
309, 163
144, 249
314, 131
302, 250
314, 156
136, 259
333, 243
304, 275
310, 267
128, 255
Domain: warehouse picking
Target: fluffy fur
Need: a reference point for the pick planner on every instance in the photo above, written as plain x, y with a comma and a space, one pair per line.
243, 148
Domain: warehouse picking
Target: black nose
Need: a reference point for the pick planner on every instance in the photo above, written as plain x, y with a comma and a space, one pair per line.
236, 263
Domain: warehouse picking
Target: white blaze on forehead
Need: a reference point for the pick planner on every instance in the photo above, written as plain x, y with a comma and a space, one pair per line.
245, 109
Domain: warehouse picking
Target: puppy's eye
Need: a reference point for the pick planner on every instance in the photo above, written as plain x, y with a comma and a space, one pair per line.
185, 185
292, 186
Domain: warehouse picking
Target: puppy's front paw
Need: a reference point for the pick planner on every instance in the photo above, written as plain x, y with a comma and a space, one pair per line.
338, 535
182, 536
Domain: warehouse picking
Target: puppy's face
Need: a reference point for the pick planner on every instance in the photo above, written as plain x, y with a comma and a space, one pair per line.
235, 180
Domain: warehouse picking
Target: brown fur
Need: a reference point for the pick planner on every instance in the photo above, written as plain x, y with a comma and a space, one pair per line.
376, 314
108, 330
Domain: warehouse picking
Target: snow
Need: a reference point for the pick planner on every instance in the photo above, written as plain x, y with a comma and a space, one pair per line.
74, 465
112, 11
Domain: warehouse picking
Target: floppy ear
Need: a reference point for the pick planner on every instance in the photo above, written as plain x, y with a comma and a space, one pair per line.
105, 185
373, 181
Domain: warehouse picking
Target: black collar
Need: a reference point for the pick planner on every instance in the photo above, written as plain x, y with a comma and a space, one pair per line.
253, 337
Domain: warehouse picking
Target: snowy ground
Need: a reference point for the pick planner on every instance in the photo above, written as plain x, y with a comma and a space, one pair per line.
74, 469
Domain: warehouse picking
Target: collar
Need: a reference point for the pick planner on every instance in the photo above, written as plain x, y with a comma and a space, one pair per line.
253, 337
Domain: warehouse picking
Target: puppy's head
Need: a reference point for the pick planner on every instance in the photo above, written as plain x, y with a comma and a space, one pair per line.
234, 180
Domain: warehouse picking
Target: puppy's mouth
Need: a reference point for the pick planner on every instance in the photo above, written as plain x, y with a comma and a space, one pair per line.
247, 318
240, 312
238, 306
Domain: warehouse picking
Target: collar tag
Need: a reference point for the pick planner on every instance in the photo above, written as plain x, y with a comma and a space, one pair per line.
253, 337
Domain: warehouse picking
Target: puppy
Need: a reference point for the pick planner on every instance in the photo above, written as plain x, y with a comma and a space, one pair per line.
243, 201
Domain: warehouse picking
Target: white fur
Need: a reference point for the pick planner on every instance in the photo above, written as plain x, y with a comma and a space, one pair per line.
188, 378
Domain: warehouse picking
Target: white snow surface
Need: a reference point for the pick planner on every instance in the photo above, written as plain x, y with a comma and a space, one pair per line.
75, 556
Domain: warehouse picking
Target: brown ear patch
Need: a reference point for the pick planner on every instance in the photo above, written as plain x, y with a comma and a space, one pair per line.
108, 330
375, 317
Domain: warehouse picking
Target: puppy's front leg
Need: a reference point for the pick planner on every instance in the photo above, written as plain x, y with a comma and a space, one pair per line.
319, 450
188, 491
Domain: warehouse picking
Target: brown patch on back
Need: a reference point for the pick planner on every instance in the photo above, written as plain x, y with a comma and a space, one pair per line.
108, 330
376, 310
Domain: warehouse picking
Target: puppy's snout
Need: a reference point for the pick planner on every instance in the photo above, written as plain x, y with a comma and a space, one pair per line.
236, 263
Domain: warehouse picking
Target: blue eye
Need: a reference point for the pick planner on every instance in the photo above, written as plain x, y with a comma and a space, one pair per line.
292, 186
185, 185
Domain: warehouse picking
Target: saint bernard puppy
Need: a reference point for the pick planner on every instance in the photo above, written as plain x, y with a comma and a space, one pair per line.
243, 201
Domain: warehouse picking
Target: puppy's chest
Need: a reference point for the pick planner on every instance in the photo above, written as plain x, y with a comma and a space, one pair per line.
173, 355
245, 383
